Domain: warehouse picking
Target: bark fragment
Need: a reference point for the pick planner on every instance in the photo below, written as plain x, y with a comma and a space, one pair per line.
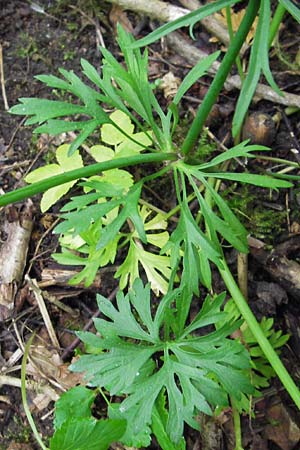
15, 235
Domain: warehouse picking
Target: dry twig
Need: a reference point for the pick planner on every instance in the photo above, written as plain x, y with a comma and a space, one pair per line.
43, 309
2, 80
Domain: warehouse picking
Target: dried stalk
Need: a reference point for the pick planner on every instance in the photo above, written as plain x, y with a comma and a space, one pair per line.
43, 309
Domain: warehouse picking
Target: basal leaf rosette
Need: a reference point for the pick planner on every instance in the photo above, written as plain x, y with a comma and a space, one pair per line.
196, 372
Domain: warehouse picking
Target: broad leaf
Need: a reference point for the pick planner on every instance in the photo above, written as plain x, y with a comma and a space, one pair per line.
131, 438
87, 433
75, 403
157, 268
76, 429
110, 134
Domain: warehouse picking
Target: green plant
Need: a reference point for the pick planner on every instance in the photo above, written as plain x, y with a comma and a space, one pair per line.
144, 356
261, 371
162, 347
75, 427
27, 47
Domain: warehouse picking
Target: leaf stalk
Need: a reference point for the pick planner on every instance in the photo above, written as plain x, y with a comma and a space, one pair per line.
257, 332
93, 169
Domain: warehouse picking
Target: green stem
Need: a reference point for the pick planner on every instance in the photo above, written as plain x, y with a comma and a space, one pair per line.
44, 185
237, 426
279, 160
276, 21
220, 77
257, 332
231, 35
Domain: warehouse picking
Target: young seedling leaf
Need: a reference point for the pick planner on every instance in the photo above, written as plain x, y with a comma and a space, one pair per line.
65, 163
111, 135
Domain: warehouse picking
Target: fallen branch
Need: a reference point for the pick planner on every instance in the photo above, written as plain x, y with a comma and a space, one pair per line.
6, 380
164, 12
2, 80
193, 55
60, 277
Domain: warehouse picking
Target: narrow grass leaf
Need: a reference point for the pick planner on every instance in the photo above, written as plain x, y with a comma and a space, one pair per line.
187, 20
291, 8
256, 180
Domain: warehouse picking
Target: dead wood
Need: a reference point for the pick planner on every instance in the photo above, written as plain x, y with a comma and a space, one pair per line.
213, 26
193, 55
155, 9
57, 276
15, 235
165, 12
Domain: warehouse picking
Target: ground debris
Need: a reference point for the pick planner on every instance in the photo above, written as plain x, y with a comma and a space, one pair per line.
282, 429
16, 231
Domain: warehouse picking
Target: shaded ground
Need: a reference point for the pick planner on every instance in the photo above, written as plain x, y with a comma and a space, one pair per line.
35, 43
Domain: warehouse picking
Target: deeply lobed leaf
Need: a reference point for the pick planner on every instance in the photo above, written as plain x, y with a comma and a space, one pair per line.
195, 372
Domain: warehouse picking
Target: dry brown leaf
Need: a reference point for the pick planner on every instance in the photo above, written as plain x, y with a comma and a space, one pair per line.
169, 84
282, 430
19, 446
46, 367
236, 19
47, 220
295, 228
118, 15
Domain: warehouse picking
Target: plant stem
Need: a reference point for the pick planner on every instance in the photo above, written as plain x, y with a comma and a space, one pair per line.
231, 35
276, 21
93, 169
24, 397
257, 332
220, 78
237, 426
